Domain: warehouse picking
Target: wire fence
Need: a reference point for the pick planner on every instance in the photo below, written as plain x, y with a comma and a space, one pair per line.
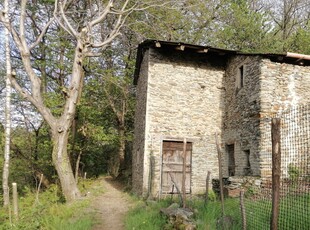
293, 204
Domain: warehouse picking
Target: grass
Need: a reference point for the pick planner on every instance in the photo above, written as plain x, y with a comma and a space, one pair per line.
294, 214
146, 216
50, 212
210, 216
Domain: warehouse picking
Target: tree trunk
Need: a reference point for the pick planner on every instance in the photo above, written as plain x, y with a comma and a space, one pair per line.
114, 165
63, 167
77, 164
6, 165
117, 161
121, 152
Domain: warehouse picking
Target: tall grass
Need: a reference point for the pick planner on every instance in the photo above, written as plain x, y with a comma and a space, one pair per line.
146, 216
50, 212
294, 214
210, 216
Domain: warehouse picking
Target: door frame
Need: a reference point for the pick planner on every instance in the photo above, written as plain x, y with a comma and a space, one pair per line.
173, 139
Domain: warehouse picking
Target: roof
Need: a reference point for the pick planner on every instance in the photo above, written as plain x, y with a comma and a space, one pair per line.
290, 58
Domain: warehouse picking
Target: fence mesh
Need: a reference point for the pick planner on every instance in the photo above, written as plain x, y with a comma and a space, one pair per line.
294, 205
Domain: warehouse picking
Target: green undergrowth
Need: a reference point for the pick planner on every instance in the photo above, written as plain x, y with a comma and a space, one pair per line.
209, 216
49, 212
294, 214
146, 215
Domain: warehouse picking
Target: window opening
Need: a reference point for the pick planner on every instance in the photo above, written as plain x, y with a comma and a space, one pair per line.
231, 159
247, 168
241, 75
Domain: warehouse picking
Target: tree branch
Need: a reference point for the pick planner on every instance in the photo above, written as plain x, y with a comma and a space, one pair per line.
46, 113
22, 25
106, 11
41, 34
63, 15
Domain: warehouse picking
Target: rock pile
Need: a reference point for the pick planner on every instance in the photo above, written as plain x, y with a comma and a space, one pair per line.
179, 218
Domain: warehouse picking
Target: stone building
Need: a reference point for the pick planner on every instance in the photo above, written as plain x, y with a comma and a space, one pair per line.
188, 94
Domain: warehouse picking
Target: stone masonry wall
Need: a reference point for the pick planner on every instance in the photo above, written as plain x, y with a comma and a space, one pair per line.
185, 95
184, 99
283, 86
241, 117
139, 132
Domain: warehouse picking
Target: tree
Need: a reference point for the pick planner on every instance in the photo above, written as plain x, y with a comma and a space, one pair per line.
85, 43
287, 17
242, 26
90, 27
6, 164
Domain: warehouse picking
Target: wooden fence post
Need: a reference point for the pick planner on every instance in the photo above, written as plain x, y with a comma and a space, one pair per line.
276, 171
184, 174
219, 155
15, 201
207, 187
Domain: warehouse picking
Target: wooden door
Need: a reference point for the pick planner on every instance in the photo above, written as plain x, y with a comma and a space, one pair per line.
172, 168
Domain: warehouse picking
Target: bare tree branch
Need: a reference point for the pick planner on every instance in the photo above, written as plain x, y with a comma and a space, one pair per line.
63, 15
103, 15
46, 113
58, 21
22, 26
41, 34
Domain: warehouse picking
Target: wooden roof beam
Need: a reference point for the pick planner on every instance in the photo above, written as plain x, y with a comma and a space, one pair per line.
180, 47
157, 44
203, 50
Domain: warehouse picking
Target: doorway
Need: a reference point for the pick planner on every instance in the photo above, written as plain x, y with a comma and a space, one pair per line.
172, 167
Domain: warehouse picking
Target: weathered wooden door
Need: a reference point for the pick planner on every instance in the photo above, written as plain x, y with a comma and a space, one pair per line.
172, 172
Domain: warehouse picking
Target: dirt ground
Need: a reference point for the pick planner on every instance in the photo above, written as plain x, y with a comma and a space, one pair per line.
111, 207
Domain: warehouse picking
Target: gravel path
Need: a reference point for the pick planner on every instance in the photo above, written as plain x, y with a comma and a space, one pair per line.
111, 206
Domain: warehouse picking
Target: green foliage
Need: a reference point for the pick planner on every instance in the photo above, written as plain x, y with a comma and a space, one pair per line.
241, 28
300, 42
208, 216
290, 215
30, 157
146, 216
212, 195
293, 172
49, 212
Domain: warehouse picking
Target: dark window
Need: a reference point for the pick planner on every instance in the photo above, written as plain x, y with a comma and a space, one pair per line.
247, 168
231, 159
241, 76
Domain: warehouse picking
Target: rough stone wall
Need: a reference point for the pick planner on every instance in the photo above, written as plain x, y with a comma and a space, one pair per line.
184, 100
183, 95
283, 86
241, 114
139, 131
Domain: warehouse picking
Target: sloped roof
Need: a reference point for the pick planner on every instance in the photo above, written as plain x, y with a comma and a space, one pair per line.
290, 58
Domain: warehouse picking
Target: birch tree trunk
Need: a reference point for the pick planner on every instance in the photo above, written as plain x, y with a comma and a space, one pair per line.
6, 165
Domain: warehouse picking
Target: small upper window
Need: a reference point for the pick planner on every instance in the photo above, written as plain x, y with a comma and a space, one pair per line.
241, 74
240, 77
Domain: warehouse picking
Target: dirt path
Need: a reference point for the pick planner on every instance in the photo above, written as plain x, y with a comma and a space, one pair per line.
111, 206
